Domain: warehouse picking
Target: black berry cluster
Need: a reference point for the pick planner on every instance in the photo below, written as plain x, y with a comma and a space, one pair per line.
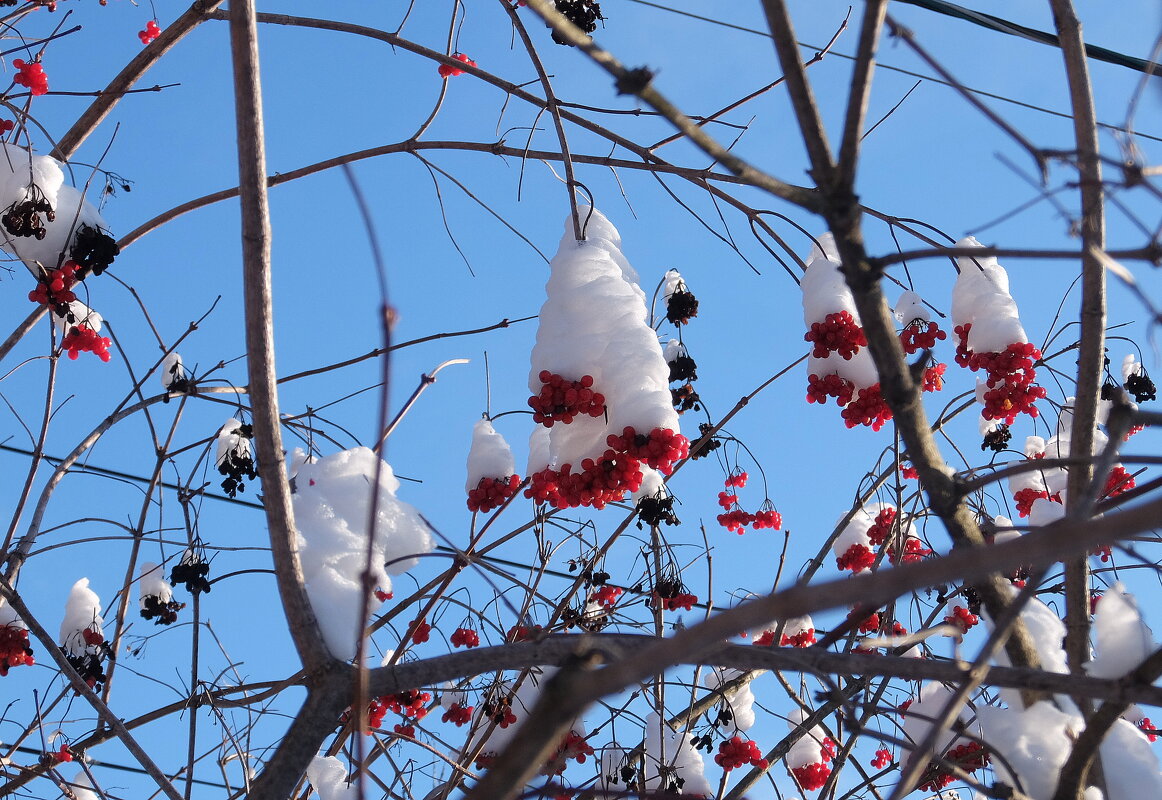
683, 368
94, 249
681, 307
164, 613
88, 666
582, 13
238, 465
1141, 387
655, 509
193, 574
23, 218
711, 445
997, 439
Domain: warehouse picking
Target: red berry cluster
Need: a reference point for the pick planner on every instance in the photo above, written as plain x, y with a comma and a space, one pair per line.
83, 339
673, 603
736, 479
1024, 499
914, 551
55, 288
405, 730
934, 378
819, 389
383, 596
867, 408
151, 32
883, 758
735, 753
882, 527
599, 482
869, 624
6, 125
803, 638
61, 756
1147, 727
560, 399
492, 493
767, 518
523, 633
857, 558
962, 618
920, 335
466, 637
448, 71
14, 649
422, 631
572, 747
838, 333
461, 715
1011, 389
736, 520
1119, 481
412, 704
606, 596
726, 499
31, 75
908, 472
969, 757
1105, 552
661, 448
766, 639
812, 776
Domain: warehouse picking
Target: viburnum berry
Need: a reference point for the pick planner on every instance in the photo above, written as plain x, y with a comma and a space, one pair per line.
466, 637
606, 596
492, 493
461, 715
735, 752
883, 758
869, 624
411, 704
1140, 386
736, 479
405, 730
22, 217
1010, 387
151, 32
55, 288
421, 632
1147, 727
63, 755
601, 481
920, 335
857, 558
868, 408
1024, 499
14, 648
882, 527
767, 518
561, 400
803, 638
661, 448
812, 776
968, 757
500, 713
1119, 481
448, 71
6, 125
162, 612
30, 74
838, 333
962, 618
83, 339
914, 551
736, 520
523, 633
726, 500
819, 389
573, 747
934, 378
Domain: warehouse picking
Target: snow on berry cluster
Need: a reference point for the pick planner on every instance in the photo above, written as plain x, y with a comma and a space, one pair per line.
156, 596
332, 506
14, 647
736, 706
81, 636
990, 338
492, 477
871, 527
809, 757
80, 328
598, 380
456, 708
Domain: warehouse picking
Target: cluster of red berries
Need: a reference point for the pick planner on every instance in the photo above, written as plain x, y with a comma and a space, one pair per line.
882, 527
914, 551
151, 32
867, 408
448, 71
726, 499
673, 603
883, 758
55, 288
1024, 499
736, 520
1011, 389
909, 472
30, 75
869, 624
412, 704
736, 479
83, 339
920, 335
962, 618
14, 649
598, 483
934, 378
606, 596
492, 493
857, 558
523, 633
735, 753
465, 637
767, 518
6, 125
819, 389
1105, 552
405, 730
560, 399
838, 333
1147, 727
661, 448
812, 776
461, 715
573, 747
803, 638
1119, 481
969, 757
765, 639
421, 632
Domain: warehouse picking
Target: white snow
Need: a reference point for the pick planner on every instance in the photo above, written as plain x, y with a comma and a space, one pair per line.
82, 315
329, 777
332, 507
82, 611
489, 456
670, 753
1121, 639
152, 583
231, 441
741, 700
171, 370
910, 307
825, 292
981, 297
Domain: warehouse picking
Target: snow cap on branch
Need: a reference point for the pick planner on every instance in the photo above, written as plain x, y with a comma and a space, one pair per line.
82, 613
489, 456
